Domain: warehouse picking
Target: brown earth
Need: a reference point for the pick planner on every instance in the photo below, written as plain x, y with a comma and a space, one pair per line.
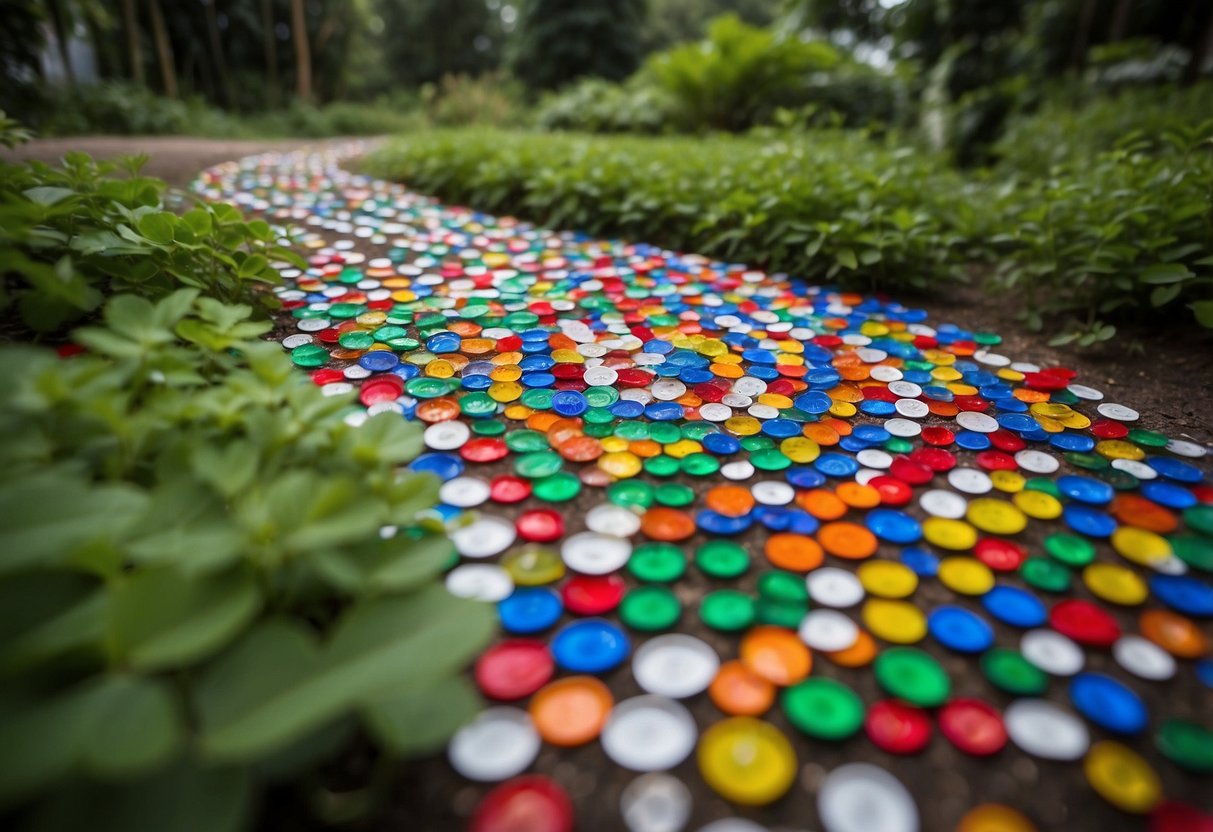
1165, 373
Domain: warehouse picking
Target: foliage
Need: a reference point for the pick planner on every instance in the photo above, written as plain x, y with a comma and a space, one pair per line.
425, 40
1114, 236
70, 236
595, 105
671, 22
210, 573
492, 99
1072, 125
738, 75
1110, 235
121, 108
829, 206
559, 41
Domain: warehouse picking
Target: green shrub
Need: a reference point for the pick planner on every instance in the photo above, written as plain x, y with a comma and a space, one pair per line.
120, 108
70, 236
490, 99
831, 205
594, 105
1127, 233
739, 74
1071, 126
198, 591
305, 121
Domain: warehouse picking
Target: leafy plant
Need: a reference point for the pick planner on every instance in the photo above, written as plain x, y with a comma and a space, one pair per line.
832, 205
738, 74
595, 105
69, 235
492, 99
211, 573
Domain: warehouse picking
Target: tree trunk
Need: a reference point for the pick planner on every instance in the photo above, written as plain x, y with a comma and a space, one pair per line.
1086, 17
1202, 42
270, 41
164, 50
303, 56
1120, 18
225, 81
60, 23
131, 23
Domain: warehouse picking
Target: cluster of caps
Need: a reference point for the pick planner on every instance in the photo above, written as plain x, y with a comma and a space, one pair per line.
635, 445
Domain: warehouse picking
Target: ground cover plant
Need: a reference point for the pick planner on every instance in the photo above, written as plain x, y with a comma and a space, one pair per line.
210, 579
1126, 231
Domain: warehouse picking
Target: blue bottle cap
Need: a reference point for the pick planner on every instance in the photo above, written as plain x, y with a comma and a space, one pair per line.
1175, 469
569, 403
836, 465
590, 645
379, 361
1015, 606
1089, 521
893, 526
1184, 593
716, 523
721, 444
921, 561
805, 477
1108, 703
814, 401
444, 466
529, 610
958, 629
1085, 489
1168, 494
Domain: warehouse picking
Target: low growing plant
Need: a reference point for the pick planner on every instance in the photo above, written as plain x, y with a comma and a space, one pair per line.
212, 575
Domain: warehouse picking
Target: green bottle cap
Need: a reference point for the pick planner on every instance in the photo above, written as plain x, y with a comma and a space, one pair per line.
538, 464
650, 608
727, 610
657, 562
1199, 518
674, 494
661, 466
1187, 744
1046, 574
913, 675
666, 433
777, 585
781, 613
1011, 673
524, 440
1070, 549
488, 427
477, 404
722, 559
557, 488
356, 340
1193, 550
631, 493
699, 465
823, 708
1147, 438
769, 459
310, 355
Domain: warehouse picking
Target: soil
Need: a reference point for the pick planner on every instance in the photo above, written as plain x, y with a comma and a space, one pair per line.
1165, 373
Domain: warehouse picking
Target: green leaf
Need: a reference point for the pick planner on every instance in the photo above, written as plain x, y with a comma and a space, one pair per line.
420, 722
1203, 310
252, 265
162, 618
157, 227
46, 518
1162, 295
1161, 273
274, 686
47, 195
181, 798
111, 727
49, 615
846, 257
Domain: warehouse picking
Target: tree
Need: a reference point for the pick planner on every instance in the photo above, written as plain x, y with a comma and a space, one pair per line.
424, 40
303, 52
164, 50
130, 22
559, 41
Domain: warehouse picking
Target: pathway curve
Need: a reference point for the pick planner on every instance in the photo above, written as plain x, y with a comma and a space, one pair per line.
761, 551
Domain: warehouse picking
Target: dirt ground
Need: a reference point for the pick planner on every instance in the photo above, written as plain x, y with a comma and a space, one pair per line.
1165, 373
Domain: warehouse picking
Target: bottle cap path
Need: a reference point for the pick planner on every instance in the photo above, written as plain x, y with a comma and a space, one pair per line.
764, 554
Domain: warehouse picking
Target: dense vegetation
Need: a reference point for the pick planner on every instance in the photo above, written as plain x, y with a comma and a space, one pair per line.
213, 576
1113, 230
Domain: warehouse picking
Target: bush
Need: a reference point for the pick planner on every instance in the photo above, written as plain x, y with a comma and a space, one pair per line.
120, 108
832, 205
211, 573
738, 75
594, 105
1115, 234
491, 99
1118, 235
1070, 126
305, 121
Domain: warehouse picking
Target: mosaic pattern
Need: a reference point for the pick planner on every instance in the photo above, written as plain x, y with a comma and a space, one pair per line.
794, 511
